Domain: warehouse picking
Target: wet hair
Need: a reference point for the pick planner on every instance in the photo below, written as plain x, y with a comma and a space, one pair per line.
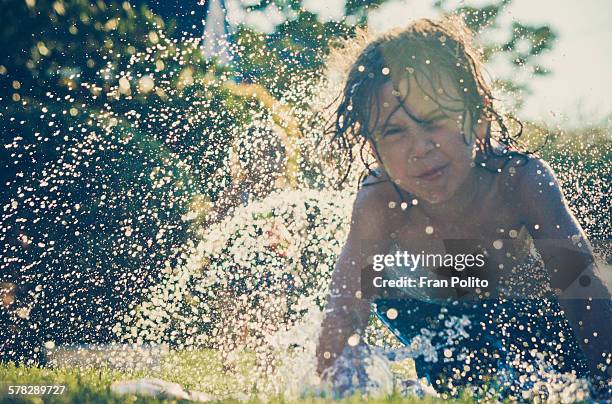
429, 51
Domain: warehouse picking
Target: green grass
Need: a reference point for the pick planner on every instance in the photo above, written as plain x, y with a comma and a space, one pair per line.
193, 370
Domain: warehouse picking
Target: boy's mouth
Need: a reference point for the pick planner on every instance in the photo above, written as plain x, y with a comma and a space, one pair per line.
433, 174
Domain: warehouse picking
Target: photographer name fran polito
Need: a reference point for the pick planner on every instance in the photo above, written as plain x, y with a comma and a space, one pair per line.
410, 262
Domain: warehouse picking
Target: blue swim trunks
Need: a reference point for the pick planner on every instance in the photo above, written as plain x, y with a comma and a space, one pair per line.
504, 344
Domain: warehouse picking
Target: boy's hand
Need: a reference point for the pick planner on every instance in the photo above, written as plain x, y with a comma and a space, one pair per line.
347, 310
344, 321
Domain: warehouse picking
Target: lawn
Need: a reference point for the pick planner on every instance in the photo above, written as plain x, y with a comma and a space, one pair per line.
193, 370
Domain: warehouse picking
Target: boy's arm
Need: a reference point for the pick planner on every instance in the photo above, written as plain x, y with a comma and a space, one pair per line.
583, 295
347, 310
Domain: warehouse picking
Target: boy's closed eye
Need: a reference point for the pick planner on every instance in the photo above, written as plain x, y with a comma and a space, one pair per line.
429, 125
396, 130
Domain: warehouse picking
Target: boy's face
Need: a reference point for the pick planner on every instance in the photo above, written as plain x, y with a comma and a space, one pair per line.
429, 159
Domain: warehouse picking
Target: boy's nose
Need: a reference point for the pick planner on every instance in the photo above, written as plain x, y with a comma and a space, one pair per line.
422, 145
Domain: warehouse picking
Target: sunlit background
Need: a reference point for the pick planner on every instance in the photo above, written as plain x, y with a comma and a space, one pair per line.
166, 178
576, 92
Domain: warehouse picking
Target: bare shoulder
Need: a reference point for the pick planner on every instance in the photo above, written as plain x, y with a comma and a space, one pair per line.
535, 186
377, 193
534, 173
525, 172
377, 207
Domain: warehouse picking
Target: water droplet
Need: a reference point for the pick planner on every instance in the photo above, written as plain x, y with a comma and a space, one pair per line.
392, 314
353, 340
145, 84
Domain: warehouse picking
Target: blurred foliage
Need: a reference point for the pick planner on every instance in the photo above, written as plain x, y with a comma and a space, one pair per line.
113, 129
582, 161
110, 129
519, 44
294, 52
302, 41
297, 47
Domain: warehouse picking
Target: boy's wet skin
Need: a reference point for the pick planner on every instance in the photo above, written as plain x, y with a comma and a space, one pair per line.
471, 205
422, 150
492, 225
432, 195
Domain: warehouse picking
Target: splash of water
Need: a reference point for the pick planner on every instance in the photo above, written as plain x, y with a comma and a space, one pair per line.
200, 209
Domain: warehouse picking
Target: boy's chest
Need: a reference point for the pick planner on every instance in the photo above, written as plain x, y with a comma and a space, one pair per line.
494, 229
495, 219
493, 215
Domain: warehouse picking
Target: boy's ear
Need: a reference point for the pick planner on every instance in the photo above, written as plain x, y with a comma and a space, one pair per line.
484, 124
482, 127
372, 147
